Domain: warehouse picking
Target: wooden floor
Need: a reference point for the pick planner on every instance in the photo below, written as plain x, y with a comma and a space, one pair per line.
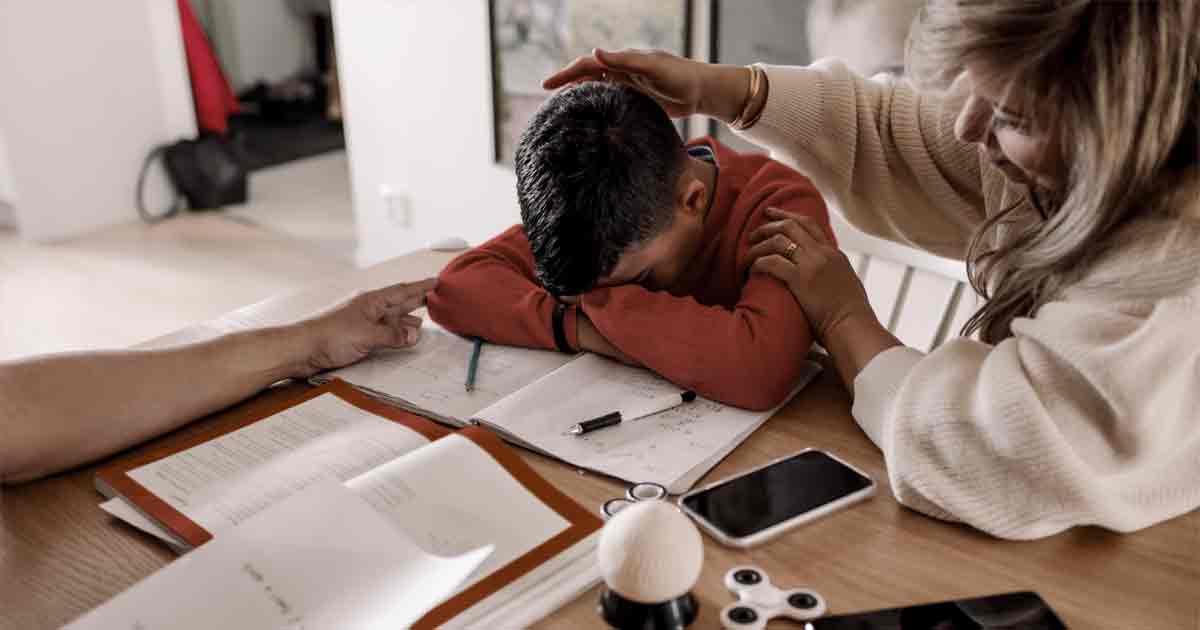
122, 285
308, 199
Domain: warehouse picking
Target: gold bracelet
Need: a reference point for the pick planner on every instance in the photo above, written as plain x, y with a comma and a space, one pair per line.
739, 121
760, 104
755, 100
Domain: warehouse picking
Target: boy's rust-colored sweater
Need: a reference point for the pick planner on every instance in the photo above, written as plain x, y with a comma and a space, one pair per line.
732, 336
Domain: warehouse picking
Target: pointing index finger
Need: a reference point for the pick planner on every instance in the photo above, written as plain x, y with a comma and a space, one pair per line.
407, 296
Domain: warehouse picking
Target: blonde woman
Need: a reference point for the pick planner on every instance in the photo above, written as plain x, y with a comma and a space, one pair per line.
1053, 146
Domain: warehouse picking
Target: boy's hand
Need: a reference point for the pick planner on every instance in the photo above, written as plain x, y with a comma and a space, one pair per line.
590, 340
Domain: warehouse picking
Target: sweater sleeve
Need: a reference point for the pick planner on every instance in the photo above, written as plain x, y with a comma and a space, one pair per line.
880, 152
492, 292
748, 356
1060, 425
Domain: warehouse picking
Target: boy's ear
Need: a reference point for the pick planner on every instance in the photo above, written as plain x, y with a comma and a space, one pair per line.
693, 196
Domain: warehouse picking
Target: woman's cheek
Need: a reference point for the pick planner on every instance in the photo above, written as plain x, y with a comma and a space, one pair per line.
1032, 156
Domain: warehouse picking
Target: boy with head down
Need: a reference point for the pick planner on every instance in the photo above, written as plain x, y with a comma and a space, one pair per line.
634, 245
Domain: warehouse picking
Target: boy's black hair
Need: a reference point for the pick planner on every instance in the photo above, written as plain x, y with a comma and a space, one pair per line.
596, 173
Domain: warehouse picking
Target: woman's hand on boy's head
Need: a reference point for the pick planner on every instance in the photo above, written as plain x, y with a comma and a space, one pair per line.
681, 86
795, 249
674, 82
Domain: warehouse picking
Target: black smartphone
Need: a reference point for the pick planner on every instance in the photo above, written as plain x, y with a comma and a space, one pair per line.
1009, 611
760, 504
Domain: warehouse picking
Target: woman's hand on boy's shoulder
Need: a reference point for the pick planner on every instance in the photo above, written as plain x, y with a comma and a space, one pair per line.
795, 249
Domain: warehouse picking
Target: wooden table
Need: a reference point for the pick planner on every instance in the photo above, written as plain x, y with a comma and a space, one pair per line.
60, 555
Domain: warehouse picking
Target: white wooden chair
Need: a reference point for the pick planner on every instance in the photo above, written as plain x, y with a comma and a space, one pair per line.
922, 299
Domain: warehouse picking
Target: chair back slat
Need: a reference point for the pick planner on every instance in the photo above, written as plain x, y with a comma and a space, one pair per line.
885, 282
963, 309
927, 302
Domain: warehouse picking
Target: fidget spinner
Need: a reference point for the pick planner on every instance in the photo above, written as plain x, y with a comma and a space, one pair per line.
645, 491
759, 601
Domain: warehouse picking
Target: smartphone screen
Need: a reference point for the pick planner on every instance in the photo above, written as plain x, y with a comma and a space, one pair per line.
773, 494
1010, 611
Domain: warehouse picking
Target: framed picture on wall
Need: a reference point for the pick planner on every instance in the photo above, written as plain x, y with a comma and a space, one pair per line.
530, 39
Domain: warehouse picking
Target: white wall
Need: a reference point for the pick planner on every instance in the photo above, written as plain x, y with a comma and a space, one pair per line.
416, 88
259, 40
85, 99
7, 189
8, 217
170, 65
415, 79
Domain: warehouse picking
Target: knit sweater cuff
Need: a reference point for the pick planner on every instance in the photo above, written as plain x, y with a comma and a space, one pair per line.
876, 387
795, 111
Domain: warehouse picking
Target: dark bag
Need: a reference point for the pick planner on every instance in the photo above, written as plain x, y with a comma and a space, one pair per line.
205, 171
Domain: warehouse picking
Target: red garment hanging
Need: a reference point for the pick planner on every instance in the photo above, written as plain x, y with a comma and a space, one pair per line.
211, 91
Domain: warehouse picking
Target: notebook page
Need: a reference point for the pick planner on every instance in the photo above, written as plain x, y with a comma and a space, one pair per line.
224, 481
451, 497
322, 558
431, 375
663, 448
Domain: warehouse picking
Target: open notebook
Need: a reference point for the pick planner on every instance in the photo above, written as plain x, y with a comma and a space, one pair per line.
448, 492
531, 398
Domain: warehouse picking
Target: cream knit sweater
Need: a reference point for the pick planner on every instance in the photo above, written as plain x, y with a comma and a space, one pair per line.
1090, 413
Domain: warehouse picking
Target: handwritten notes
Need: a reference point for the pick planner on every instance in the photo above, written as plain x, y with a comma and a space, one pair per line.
323, 558
429, 377
534, 396
673, 448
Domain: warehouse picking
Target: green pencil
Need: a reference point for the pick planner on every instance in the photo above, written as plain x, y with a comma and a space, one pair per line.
473, 366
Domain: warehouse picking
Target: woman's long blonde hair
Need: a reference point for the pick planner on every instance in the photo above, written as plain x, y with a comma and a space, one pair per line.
1117, 83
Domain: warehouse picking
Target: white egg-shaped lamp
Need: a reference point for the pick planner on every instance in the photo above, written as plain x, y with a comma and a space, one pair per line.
650, 555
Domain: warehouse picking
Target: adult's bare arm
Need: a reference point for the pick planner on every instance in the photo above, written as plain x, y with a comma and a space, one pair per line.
63, 410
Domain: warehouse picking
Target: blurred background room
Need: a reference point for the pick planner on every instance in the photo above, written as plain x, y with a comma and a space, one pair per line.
330, 136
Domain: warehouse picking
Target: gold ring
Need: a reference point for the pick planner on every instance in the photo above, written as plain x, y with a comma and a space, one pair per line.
791, 249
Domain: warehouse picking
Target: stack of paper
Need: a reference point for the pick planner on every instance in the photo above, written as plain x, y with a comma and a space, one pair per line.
323, 558
447, 494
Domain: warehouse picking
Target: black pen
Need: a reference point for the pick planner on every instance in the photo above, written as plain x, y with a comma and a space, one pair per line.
658, 405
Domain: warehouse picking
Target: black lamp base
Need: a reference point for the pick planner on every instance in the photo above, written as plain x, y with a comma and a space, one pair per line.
625, 614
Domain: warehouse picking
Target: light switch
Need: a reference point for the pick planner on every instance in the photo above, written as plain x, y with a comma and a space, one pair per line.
397, 207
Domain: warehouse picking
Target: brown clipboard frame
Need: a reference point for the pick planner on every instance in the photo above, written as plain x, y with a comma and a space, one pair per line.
582, 523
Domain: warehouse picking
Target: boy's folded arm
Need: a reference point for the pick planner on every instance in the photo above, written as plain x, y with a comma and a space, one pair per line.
749, 356
491, 292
